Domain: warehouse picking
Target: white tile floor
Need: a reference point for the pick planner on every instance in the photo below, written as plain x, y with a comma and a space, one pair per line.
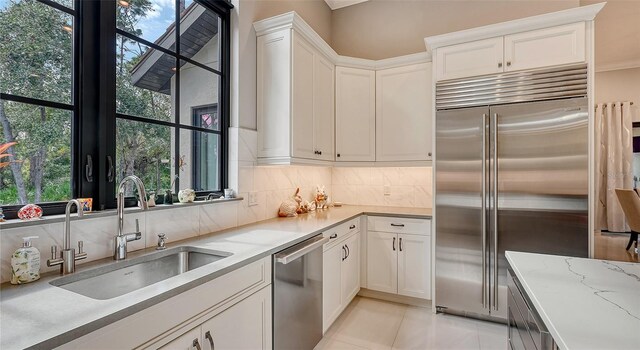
375, 324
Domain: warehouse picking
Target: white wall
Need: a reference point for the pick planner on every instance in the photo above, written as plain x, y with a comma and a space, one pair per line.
380, 29
620, 85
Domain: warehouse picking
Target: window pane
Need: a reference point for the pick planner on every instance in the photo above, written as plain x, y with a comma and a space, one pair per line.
152, 20
41, 163
198, 88
144, 150
200, 152
144, 80
67, 3
199, 34
36, 55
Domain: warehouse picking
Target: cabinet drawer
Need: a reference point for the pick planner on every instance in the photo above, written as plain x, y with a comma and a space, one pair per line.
399, 225
339, 233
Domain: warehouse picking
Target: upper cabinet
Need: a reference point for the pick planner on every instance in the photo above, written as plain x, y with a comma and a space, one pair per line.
469, 59
403, 113
317, 107
295, 96
355, 114
532, 49
545, 47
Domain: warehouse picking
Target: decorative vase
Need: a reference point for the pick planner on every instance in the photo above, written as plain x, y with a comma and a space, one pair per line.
30, 211
187, 195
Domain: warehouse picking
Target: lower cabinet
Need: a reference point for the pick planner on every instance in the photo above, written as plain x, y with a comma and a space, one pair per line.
246, 325
341, 278
399, 263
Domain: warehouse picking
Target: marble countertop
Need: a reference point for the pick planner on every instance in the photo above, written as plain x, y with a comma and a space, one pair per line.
41, 315
585, 303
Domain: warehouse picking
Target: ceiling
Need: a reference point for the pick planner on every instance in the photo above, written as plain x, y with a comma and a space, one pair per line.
617, 34
338, 4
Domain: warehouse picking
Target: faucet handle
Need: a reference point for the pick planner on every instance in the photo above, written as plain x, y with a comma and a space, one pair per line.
80, 246
137, 225
54, 252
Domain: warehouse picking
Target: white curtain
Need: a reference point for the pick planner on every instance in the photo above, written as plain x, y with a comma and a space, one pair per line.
614, 138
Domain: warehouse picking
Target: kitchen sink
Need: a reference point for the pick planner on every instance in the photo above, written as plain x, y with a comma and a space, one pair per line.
124, 277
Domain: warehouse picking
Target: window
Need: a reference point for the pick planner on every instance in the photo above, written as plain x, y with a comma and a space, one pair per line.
147, 67
37, 100
162, 77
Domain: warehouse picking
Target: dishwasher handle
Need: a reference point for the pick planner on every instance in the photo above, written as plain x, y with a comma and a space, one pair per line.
300, 249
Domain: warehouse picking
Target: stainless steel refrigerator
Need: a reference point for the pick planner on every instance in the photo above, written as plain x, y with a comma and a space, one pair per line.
511, 173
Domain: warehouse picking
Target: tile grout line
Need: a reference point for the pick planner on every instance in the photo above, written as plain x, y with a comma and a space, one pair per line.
399, 326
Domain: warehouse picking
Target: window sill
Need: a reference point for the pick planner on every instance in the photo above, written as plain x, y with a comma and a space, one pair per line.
15, 223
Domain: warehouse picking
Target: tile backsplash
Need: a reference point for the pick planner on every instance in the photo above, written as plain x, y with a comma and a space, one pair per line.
268, 185
386, 186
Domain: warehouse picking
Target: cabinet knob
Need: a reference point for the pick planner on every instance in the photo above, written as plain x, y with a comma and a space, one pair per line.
319, 152
499, 64
508, 63
338, 155
429, 154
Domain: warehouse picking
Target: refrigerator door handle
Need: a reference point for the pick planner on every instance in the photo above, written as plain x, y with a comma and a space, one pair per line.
485, 297
495, 211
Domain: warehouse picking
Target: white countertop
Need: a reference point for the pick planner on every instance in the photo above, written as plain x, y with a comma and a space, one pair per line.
44, 316
585, 303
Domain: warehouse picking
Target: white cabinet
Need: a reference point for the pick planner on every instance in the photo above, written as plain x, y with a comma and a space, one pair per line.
340, 275
355, 114
295, 100
187, 341
469, 59
403, 113
246, 325
532, 49
399, 263
545, 47
350, 271
332, 285
414, 265
382, 265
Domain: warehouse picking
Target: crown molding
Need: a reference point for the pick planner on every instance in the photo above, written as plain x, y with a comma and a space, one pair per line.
338, 4
630, 64
578, 14
291, 20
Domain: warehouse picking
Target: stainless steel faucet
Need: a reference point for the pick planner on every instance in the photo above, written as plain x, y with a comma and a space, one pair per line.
122, 239
68, 256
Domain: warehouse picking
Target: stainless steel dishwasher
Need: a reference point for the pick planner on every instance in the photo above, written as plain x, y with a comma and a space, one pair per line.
297, 295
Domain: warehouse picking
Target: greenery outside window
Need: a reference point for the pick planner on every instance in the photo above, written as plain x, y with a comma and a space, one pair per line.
93, 91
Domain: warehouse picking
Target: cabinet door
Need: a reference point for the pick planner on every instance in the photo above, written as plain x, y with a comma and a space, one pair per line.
323, 107
246, 325
414, 266
186, 341
273, 94
382, 264
403, 113
302, 99
351, 270
545, 47
469, 59
355, 114
331, 285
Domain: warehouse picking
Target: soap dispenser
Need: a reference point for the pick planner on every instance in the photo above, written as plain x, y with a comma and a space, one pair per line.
25, 263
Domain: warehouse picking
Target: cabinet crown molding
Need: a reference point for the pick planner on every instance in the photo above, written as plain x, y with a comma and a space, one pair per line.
578, 14
292, 20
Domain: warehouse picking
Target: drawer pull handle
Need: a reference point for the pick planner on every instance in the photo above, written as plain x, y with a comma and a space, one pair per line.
335, 235
348, 252
344, 252
400, 244
196, 344
397, 225
210, 338
394, 244
352, 227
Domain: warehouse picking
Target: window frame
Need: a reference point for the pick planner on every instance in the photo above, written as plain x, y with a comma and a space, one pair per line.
55, 208
94, 101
